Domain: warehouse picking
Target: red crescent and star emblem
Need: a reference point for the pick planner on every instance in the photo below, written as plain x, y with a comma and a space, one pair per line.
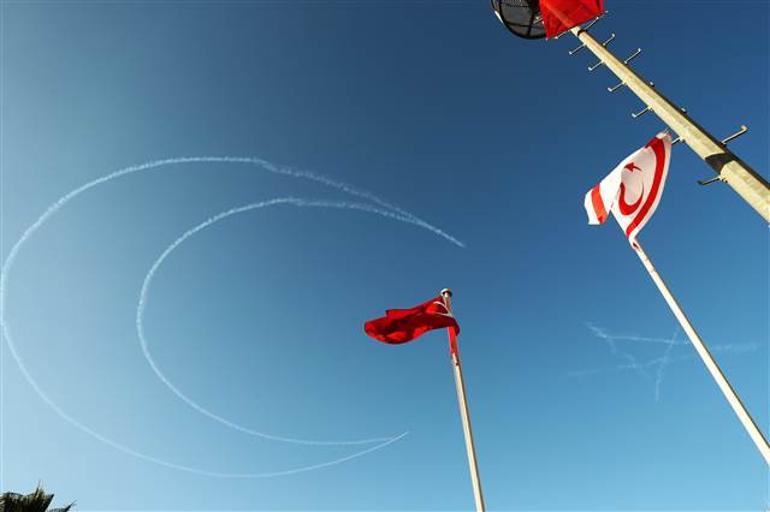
625, 208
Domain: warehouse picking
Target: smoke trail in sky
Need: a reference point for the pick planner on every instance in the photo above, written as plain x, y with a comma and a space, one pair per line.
665, 359
610, 340
203, 225
657, 364
388, 210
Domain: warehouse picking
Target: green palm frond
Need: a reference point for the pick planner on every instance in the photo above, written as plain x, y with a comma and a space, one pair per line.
37, 501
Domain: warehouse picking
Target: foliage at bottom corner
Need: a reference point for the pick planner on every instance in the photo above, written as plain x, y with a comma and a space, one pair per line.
36, 501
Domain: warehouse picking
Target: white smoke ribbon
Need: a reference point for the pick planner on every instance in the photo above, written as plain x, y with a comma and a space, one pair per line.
205, 224
657, 364
383, 209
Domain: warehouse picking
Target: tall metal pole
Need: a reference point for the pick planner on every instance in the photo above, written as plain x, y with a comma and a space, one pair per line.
712, 366
730, 169
446, 293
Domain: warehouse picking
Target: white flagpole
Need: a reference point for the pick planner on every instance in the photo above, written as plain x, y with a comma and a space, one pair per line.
732, 397
446, 293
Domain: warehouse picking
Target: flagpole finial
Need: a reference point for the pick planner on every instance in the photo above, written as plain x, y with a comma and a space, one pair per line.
446, 291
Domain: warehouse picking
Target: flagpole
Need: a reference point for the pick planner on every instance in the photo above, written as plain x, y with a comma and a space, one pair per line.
752, 187
446, 293
713, 368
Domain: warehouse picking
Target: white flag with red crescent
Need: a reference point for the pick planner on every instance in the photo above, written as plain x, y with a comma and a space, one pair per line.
632, 190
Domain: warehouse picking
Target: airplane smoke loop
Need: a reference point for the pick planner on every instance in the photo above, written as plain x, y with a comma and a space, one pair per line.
385, 209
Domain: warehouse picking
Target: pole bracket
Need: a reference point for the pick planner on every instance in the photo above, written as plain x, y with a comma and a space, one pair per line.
601, 62
593, 67
703, 183
632, 56
595, 20
639, 114
575, 50
616, 87
735, 135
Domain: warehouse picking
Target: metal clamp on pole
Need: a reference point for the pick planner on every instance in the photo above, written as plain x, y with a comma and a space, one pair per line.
616, 87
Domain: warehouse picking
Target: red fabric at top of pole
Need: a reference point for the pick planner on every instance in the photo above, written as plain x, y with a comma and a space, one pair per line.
453, 349
562, 15
403, 325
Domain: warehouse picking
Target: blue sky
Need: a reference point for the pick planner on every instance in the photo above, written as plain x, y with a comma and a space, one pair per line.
578, 397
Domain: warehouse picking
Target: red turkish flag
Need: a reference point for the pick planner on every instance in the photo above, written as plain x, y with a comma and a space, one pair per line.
402, 325
561, 15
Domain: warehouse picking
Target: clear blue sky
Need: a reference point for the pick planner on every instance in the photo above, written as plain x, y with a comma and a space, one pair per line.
435, 107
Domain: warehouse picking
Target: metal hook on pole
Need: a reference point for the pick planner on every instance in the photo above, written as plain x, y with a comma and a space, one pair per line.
590, 23
703, 183
595, 20
735, 135
632, 56
574, 51
639, 114
676, 140
591, 68
616, 87
605, 43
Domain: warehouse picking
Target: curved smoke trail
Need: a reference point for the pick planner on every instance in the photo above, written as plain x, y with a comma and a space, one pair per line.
390, 211
203, 225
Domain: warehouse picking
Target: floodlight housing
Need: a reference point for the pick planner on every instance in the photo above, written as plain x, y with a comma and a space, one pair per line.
522, 17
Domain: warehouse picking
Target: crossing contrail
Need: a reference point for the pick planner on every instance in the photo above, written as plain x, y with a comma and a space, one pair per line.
664, 361
385, 209
657, 364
